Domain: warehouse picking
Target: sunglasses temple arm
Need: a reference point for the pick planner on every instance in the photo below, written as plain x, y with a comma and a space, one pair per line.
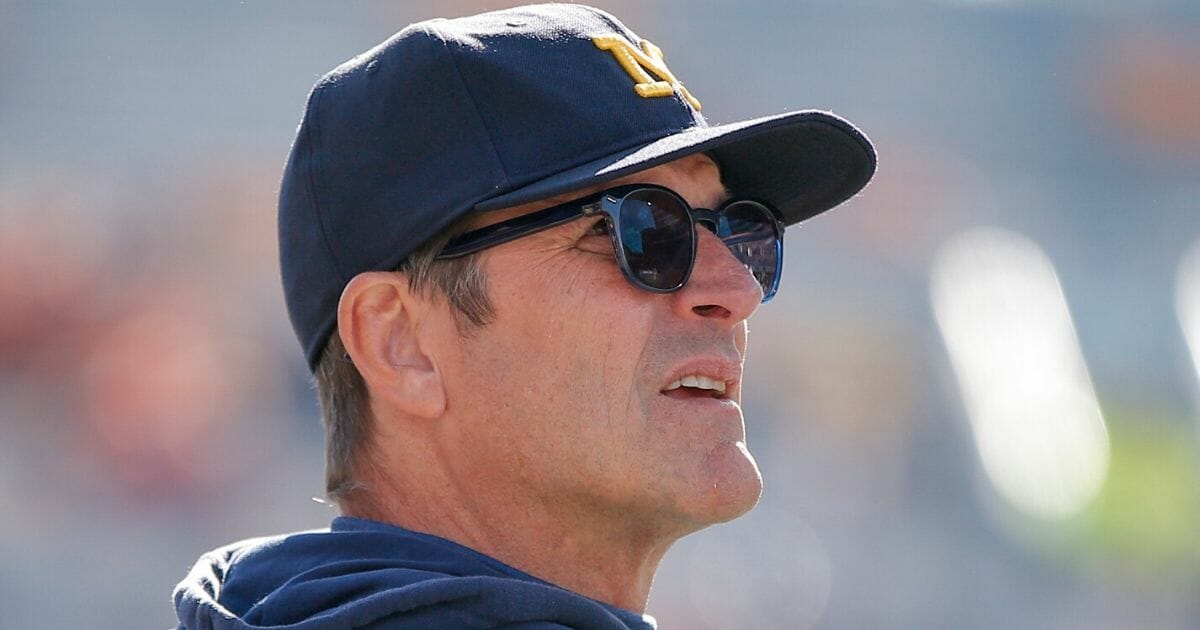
505, 231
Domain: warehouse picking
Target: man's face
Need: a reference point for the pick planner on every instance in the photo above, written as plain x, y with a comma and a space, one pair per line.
568, 390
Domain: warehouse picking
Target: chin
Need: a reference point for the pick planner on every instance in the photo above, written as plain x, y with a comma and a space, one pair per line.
733, 484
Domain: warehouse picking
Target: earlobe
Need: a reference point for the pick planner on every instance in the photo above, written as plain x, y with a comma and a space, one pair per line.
379, 321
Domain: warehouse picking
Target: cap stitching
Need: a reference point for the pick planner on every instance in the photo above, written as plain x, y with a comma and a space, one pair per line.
474, 106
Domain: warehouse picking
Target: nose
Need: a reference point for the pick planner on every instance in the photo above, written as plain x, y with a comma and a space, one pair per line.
720, 288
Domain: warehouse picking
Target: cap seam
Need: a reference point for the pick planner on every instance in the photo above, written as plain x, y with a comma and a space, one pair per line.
474, 106
312, 131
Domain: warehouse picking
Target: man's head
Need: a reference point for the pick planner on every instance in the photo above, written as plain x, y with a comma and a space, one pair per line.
572, 388
538, 359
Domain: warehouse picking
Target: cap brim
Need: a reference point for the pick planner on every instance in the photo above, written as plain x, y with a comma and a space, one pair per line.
802, 163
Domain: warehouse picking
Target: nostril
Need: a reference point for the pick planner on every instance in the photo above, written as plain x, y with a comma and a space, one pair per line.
711, 310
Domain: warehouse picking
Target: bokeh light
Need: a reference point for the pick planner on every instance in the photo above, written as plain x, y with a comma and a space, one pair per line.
1187, 304
1033, 411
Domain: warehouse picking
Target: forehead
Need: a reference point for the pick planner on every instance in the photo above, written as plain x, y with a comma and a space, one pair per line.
696, 177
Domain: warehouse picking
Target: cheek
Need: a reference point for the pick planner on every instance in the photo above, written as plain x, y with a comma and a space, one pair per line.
587, 347
595, 352
569, 336
576, 309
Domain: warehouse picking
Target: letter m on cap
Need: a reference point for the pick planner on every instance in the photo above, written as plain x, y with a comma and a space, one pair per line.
640, 63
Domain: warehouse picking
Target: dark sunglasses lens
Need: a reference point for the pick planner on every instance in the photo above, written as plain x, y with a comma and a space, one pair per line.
657, 238
750, 232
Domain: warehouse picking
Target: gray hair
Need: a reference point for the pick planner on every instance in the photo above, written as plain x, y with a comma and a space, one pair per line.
345, 408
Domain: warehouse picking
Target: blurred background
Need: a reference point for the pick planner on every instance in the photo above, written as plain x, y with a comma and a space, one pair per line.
975, 400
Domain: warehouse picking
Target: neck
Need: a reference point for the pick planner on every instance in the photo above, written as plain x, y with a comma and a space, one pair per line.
602, 556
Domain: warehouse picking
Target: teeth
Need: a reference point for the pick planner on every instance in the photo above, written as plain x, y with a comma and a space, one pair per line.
698, 381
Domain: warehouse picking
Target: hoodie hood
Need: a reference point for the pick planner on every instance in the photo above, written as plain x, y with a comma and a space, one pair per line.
364, 574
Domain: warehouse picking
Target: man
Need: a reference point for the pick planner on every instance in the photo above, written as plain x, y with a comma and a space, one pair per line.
520, 264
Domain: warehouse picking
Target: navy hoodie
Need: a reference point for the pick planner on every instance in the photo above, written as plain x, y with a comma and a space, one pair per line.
364, 574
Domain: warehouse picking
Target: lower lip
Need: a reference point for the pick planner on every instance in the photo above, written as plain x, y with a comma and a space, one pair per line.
701, 401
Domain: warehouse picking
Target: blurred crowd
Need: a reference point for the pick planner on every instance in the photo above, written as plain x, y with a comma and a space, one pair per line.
154, 403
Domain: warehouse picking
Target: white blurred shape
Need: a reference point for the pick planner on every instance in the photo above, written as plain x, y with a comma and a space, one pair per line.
1187, 301
1033, 411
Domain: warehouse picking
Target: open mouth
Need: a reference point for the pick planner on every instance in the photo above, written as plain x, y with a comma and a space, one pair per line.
696, 386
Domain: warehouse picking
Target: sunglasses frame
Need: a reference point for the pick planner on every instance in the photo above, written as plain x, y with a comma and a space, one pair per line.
607, 203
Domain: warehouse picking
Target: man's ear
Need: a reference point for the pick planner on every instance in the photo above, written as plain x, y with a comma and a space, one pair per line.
379, 320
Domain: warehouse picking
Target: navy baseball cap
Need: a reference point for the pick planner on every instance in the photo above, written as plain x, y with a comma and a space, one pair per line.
452, 116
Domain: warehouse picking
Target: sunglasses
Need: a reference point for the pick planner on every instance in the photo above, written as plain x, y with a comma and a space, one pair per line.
654, 234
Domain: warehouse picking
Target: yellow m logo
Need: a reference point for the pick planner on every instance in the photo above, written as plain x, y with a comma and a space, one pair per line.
637, 62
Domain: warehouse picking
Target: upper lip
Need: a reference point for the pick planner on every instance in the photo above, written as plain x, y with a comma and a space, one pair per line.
715, 367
